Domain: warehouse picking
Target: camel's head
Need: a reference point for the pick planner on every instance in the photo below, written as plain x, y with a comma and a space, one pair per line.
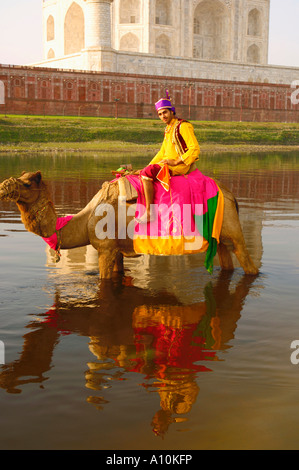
24, 189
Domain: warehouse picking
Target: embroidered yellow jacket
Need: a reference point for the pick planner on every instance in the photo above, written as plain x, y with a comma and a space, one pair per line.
179, 141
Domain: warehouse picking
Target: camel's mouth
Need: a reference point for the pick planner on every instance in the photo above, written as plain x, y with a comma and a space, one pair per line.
9, 190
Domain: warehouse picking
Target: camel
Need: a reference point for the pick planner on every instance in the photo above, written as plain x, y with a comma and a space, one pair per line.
38, 214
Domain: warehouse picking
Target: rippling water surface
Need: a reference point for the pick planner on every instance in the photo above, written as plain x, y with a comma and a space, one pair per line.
166, 356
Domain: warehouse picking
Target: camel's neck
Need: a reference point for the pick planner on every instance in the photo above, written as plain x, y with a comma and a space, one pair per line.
40, 216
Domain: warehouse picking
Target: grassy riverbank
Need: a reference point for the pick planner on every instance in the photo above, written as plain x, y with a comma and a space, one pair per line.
43, 133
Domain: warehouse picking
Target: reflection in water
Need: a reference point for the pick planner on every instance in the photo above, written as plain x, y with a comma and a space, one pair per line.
155, 333
170, 344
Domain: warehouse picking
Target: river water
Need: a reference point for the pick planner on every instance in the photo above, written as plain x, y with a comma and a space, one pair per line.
166, 356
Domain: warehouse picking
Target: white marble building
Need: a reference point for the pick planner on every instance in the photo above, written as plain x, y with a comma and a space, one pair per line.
209, 39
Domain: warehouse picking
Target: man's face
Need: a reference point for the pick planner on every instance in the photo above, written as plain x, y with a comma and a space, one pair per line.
166, 115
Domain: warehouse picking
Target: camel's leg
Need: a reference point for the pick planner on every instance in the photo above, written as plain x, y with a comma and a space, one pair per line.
243, 256
119, 263
240, 249
232, 230
225, 258
107, 262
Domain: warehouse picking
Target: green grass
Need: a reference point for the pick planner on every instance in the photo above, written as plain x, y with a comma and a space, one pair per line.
89, 133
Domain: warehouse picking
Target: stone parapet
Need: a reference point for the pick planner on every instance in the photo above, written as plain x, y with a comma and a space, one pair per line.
147, 64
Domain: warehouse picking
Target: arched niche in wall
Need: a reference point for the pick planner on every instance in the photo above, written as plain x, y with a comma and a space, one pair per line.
74, 37
254, 23
129, 11
51, 54
129, 42
163, 46
211, 28
253, 54
50, 28
163, 12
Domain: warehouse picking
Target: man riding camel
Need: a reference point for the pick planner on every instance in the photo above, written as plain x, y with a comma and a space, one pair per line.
177, 155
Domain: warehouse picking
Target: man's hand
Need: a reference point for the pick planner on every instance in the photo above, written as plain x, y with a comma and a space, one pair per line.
170, 162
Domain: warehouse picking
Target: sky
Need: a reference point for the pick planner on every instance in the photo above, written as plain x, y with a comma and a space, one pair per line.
21, 32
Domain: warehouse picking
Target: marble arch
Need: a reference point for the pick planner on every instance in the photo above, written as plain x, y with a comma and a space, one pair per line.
129, 11
163, 12
254, 23
211, 30
129, 42
50, 28
163, 45
51, 54
74, 34
253, 54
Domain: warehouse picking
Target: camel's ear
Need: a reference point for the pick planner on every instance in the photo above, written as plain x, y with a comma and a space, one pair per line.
37, 177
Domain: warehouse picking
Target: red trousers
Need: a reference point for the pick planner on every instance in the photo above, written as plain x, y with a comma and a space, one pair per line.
151, 171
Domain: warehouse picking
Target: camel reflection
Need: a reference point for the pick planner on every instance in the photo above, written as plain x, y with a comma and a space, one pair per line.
169, 344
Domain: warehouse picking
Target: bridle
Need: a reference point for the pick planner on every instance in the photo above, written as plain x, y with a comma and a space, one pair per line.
12, 187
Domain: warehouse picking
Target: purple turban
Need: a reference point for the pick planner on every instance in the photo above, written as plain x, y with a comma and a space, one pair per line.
164, 103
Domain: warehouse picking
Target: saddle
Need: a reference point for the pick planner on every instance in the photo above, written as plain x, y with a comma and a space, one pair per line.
127, 190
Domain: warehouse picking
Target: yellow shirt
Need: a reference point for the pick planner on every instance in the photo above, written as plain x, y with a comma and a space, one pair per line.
171, 151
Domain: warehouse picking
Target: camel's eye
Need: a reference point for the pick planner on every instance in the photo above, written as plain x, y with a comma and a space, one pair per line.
27, 185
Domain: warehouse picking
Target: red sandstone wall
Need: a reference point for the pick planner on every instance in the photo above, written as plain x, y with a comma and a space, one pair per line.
42, 91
